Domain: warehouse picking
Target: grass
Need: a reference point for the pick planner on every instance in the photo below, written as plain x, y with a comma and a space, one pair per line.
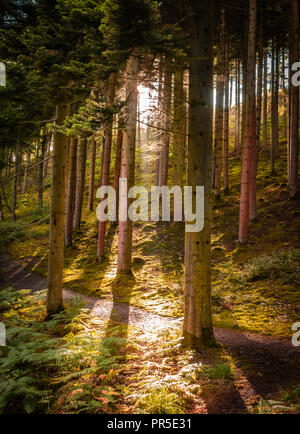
161, 401
220, 371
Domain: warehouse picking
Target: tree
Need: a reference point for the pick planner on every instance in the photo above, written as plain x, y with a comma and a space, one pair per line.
80, 181
71, 188
127, 167
92, 174
57, 219
294, 102
250, 124
106, 159
197, 328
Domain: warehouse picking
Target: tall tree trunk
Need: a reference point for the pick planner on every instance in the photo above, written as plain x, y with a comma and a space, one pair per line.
71, 184
250, 121
56, 237
164, 154
254, 159
80, 180
41, 169
178, 128
219, 117
27, 163
92, 174
244, 98
226, 120
106, 161
159, 124
118, 164
284, 99
294, 103
15, 181
237, 143
197, 327
127, 167
274, 105
265, 104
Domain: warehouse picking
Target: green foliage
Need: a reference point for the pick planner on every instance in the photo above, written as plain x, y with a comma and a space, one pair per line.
161, 400
284, 265
220, 371
45, 359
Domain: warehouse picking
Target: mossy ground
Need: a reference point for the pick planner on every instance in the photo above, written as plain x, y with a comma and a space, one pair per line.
254, 288
267, 304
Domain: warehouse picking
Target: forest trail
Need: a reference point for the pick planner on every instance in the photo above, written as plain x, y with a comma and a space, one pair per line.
258, 359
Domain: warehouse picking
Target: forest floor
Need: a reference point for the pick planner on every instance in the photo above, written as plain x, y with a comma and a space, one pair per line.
256, 300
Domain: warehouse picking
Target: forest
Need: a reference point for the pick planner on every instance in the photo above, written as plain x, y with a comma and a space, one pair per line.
149, 207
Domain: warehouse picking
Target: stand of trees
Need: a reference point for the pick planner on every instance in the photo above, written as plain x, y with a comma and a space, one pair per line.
73, 72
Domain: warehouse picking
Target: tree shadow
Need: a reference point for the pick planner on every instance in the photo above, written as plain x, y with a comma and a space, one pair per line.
268, 364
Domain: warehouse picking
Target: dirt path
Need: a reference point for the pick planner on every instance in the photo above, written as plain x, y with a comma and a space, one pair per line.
264, 365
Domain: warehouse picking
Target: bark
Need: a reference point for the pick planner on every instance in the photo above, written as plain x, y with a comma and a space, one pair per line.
179, 128
165, 144
128, 165
15, 181
118, 165
254, 159
106, 161
226, 121
56, 237
237, 143
274, 106
92, 175
41, 169
284, 99
159, 125
219, 119
250, 121
197, 328
80, 180
265, 104
294, 103
71, 184
25, 179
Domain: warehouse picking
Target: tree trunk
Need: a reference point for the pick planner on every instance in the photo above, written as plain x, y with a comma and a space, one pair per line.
80, 179
265, 104
294, 103
118, 165
254, 159
178, 128
27, 163
70, 191
237, 143
219, 119
197, 328
274, 106
164, 154
41, 169
15, 181
92, 175
127, 167
226, 121
250, 120
106, 161
159, 125
56, 237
